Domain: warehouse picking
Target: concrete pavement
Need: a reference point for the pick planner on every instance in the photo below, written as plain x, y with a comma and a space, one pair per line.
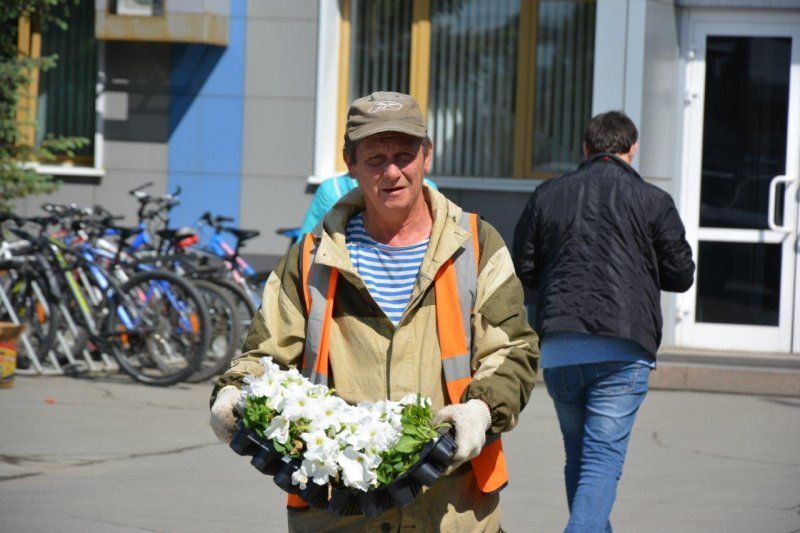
109, 455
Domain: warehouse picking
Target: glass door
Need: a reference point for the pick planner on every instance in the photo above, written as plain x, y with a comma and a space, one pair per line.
740, 173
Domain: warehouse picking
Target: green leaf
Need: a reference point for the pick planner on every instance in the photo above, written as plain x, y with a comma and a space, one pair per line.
406, 444
418, 430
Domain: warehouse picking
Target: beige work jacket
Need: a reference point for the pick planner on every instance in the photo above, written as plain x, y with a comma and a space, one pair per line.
371, 359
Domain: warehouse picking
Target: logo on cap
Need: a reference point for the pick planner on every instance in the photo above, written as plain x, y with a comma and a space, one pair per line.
385, 105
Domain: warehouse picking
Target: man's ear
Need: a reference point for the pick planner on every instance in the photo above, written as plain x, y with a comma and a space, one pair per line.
429, 158
585, 150
346, 158
633, 151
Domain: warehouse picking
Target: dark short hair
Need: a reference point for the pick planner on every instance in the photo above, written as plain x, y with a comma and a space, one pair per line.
349, 150
610, 132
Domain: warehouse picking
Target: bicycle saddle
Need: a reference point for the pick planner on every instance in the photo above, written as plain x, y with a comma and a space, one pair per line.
184, 236
243, 234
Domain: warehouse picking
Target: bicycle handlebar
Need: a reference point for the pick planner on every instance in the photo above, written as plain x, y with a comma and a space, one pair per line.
163, 204
7, 215
215, 221
140, 187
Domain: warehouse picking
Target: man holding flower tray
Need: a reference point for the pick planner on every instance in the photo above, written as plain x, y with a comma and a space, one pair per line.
397, 292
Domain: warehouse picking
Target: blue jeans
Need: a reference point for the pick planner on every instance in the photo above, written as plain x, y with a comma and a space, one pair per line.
596, 406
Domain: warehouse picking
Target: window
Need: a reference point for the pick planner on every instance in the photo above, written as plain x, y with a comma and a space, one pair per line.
506, 85
564, 64
62, 99
138, 8
381, 46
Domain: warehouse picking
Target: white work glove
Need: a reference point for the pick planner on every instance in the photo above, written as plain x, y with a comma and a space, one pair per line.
224, 413
471, 420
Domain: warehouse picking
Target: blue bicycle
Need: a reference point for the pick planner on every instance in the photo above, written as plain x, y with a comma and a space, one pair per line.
153, 323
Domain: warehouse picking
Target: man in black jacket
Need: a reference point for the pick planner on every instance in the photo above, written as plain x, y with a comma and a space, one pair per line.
598, 245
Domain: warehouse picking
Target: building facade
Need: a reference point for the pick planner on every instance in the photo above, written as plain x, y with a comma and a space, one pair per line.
241, 104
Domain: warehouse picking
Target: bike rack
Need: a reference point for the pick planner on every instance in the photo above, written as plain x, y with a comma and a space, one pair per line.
37, 367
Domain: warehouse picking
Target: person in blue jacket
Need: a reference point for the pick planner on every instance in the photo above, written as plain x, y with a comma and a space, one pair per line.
327, 194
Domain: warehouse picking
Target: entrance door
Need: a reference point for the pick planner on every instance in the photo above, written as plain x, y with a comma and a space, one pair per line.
742, 155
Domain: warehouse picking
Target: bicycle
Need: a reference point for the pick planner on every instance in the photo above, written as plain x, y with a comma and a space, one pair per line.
153, 323
25, 294
229, 309
242, 273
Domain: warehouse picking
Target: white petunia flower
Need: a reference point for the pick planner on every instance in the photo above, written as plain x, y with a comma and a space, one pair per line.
318, 446
378, 435
300, 476
319, 391
330, 410
320, 456
265, 386
322, 471
356, 469
278, 429
410, 399
340, 441
296, 404
269, 366
293, 375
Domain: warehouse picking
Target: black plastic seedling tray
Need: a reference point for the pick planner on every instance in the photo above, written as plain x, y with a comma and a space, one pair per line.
434, 458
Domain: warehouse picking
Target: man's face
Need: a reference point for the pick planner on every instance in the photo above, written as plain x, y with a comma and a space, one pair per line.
390, 169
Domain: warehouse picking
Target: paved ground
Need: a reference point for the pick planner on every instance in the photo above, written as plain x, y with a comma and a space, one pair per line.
108, 455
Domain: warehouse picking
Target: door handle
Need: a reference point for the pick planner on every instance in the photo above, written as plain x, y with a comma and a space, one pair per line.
773, 189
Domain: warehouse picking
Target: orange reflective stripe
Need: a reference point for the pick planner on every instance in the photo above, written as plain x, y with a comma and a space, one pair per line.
308, 244
452, 338
490, 468
321, 365
456, 388
294, 501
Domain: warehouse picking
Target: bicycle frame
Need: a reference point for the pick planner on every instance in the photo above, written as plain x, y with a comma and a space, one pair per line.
90, 254
58, 250
222, 249
238, 267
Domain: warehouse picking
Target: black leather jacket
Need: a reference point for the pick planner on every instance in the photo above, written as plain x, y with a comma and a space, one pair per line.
598, 245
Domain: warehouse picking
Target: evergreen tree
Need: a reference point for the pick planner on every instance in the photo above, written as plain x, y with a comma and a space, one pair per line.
17, 176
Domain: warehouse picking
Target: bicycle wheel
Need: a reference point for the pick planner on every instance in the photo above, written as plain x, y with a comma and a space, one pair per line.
254, 285
225, 331
158, 328
28, 295
244, 306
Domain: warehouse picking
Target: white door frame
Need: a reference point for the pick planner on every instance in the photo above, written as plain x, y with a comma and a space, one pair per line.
726, 336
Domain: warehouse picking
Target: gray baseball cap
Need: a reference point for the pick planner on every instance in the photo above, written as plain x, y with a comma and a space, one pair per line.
385, 111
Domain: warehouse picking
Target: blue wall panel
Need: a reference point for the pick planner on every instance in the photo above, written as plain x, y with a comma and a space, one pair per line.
206, 124
202, 192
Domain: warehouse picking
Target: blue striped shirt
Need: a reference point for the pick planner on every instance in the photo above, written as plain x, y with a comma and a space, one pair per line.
389, 272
